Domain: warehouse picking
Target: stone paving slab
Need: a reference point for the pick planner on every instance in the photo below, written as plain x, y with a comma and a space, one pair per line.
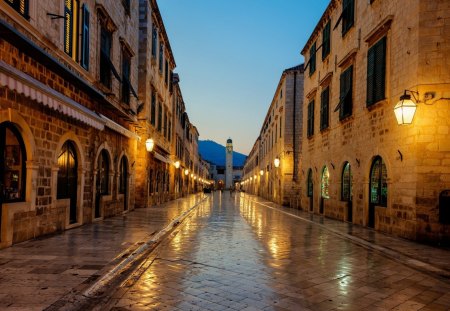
427, 258
235, 254
36, 273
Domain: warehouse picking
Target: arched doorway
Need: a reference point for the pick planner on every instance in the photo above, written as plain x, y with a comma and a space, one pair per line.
102, 182
12, 165
347, 190
123, 181
324, 188
378, 190
310, 190
68, 178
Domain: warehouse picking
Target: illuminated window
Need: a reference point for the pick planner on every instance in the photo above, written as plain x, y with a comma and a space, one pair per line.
378, 182
325, 183
346, 189
71, 28
67, 178
12, 164
21, 6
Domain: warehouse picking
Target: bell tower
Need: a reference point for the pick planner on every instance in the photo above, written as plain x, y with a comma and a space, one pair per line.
229, 165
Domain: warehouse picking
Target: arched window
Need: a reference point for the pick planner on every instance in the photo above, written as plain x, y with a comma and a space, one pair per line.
103, 172
12, 164
123, 179
378, 182
325, 183
67, 178
309, 186
346, 187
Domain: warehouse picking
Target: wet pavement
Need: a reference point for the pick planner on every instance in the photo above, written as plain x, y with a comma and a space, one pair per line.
242, 253
37, 274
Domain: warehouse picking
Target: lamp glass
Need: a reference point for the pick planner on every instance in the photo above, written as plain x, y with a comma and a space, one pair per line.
186, 172
177, 164
405, 111
276, 162
261, 172
149, 144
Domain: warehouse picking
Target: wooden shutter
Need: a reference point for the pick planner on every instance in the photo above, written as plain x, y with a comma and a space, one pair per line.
85, 37
312, 59
348, 7
311, 118
68, 26
346, 93
326, 40
324, 108
376, 72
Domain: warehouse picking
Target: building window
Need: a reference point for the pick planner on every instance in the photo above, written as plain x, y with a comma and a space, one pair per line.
378, 182
126, 5
166, 72
12, 164
346, 187
160, 112
161, 57
326, 44
67, 178
21, 6
309, 186
126, 66
71, 28
103, 173
85, 37
376, 72
165, 124
348, 15
281, 119
105, 57
346, 94
324, 108
312, 59
153, 110
325, 183
310, 126
123, 178
169, 134
154, 41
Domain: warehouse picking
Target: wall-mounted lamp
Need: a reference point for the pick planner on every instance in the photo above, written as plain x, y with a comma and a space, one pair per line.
149, 144
406, 108
276, 162
186, 172
192, 175
177, 164
261, 172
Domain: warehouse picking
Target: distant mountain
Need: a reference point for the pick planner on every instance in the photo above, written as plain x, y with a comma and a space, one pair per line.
215, 153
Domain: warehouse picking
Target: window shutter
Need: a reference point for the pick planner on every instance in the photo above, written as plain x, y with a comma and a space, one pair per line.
326, 40
85, 38
324, 103
312, 59
311, 118
68, 26
380, 69
370, 75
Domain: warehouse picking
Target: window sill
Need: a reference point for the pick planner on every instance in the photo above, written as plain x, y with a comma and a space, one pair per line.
346, 118
375, 105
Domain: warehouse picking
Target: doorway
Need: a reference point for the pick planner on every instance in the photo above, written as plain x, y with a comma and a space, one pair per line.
378, 190
123, 181
68, 178
102, 181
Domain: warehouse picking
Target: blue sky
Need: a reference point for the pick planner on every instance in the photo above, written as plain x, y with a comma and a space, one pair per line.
230, 55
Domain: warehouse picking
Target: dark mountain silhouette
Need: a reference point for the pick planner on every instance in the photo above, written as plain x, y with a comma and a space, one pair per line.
215, 153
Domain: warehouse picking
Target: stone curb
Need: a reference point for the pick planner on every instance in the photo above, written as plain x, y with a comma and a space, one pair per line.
86, 299
395, 255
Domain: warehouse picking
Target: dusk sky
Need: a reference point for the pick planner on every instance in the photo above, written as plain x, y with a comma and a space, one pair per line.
230, 55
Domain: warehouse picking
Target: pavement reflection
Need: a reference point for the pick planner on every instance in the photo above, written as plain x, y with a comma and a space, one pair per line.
233, 253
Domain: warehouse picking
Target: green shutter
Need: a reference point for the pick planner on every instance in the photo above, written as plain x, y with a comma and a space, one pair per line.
370, 75
326, 40
68, 26
376, 72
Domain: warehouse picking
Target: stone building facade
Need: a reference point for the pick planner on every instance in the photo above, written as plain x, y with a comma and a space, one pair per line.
73, 114
360, 165
66, 106
272, 169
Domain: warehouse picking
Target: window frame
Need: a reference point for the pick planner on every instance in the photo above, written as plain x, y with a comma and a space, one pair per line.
126, 84
348, 16
376, 72
310, 120
325, 108
326, 40
343, 182
346, 93
20, 6
312, 59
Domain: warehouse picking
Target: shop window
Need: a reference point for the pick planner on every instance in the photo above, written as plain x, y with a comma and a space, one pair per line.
12, 164
346, 187
309, 185
325, 183
378, 183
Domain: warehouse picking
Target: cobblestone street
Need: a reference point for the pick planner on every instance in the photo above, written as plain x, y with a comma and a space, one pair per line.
234, 253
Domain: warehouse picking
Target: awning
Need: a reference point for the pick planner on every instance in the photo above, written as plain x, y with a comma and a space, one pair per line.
119, 128
162, 158
22, 83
